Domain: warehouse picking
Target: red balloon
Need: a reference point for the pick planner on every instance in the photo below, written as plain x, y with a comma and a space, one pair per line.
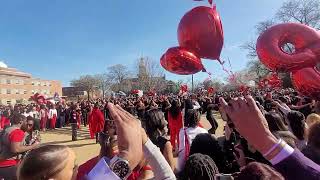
183, 88
211, 90
201, 31
307, 82
181, 61
305, 39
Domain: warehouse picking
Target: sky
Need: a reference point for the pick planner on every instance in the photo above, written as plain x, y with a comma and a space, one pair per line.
64, 39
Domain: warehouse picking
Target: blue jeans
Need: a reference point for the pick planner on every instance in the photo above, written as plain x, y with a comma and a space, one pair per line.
62, 121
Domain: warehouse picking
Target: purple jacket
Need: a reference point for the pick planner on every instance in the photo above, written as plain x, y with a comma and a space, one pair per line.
299, 167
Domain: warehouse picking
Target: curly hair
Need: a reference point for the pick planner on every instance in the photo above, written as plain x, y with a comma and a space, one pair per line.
199, 166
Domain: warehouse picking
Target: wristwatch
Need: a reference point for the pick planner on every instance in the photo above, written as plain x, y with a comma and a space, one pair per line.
120, 167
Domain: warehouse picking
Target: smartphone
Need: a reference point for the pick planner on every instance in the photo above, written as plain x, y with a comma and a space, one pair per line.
108, 115
223, 177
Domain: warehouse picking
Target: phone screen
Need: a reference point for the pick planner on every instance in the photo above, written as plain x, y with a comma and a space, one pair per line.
223, 177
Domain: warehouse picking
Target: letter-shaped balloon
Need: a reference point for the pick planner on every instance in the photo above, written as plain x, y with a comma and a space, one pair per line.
201, 31
307, 82
305, 40
180, 61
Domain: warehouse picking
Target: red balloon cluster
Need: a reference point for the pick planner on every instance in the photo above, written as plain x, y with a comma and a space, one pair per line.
300, 62
39, 98
152, 93
244, 88
272, 81
200, 35
135, 91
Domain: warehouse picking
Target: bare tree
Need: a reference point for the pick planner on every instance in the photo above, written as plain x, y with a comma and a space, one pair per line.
302, 11
250, 46
215, 83
117, 74
103, 83
257, 70
88, 83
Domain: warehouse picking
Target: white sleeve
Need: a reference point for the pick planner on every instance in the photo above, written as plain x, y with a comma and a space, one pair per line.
180, 162
160, 166
196, 105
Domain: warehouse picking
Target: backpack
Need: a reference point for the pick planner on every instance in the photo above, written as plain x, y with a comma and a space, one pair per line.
4, 149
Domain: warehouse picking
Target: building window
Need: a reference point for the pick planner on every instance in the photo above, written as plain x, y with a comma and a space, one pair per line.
8, 102
8, 91
17, 91
25, 92
32, 83
32, 91
8, 81
3, 91
17, 81
39, 83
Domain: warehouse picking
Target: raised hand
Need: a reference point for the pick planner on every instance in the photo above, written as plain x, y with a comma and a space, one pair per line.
129, 135
250, 122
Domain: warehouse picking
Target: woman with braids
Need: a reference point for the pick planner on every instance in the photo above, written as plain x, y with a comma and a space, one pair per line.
187, 135
156, 131
199, 166
175, 121
208, 145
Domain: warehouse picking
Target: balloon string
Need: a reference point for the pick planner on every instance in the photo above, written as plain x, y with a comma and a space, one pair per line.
209, 74
230, 73
210, 2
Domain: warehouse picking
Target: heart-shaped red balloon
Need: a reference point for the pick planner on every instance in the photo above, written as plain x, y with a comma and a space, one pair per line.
201, 31
307, 82
305, 39
180, 61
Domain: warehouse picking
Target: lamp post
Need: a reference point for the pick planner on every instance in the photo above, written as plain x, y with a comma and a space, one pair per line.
192, 83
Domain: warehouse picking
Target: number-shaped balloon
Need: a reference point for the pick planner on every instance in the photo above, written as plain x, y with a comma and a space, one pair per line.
304, 39
301, 63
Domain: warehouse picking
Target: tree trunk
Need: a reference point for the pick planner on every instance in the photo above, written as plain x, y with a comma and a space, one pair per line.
88, 92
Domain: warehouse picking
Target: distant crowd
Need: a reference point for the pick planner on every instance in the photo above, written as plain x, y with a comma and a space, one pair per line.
271, 134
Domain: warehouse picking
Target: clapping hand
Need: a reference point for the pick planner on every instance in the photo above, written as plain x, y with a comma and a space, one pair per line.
129, 135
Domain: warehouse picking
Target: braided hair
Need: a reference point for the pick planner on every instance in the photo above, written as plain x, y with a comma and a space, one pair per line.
200, 167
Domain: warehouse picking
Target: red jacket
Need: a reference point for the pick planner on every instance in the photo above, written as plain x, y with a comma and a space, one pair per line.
96, 120
4, 121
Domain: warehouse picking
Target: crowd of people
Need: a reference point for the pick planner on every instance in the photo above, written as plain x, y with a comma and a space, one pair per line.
271, 134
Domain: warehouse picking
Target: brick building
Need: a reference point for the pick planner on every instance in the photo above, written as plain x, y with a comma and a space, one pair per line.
17, 86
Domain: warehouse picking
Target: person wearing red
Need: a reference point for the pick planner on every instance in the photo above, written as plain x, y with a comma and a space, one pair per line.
96, 121
175, 121
4, 121
43, 118
53, 114
78, 116
12, 141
